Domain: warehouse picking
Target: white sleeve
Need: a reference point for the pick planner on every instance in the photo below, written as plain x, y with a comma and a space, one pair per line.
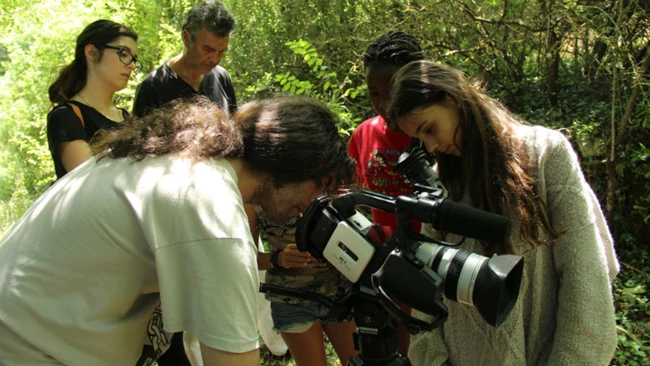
210, 287
205, 256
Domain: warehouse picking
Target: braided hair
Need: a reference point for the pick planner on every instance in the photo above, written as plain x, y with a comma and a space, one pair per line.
393, 49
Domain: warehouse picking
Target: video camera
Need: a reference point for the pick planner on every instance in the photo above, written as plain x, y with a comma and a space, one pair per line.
409, 268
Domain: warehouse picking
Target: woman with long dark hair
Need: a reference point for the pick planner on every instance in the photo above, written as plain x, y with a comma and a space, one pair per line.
489, 159
104, 59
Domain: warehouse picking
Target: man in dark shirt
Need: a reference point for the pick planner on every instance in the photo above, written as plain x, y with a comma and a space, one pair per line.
196, 70
206, 33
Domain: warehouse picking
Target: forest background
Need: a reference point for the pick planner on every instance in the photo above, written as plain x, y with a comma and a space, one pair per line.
576, 65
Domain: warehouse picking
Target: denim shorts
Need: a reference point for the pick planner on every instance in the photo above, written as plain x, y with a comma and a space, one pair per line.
290, 318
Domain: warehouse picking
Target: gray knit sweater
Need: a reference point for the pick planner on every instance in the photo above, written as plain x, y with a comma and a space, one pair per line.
564, 314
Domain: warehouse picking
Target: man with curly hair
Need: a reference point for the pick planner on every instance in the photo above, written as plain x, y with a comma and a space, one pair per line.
151, 233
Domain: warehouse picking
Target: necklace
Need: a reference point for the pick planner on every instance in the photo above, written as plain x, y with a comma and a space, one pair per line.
86, 102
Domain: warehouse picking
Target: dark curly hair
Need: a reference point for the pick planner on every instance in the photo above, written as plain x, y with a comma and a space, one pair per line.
196, 128
392, 49
290, 138
213, 15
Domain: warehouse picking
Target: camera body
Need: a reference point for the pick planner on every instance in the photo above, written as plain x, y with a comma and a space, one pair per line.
347, 249
409, 267
406, 267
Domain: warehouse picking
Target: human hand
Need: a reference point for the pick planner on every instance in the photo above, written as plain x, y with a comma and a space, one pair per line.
291, 257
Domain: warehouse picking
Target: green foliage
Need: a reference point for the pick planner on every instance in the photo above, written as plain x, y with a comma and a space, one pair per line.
319, 83
315, 48
34, 45
631, 293
640, 159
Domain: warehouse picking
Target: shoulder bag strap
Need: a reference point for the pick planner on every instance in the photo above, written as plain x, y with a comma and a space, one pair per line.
77, 111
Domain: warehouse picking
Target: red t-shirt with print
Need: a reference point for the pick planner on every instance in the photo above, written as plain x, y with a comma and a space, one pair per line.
376, 148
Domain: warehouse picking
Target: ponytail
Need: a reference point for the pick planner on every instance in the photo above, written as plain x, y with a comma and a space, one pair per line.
71, 80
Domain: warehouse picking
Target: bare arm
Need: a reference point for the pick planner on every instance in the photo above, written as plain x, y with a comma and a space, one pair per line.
215, 357
289, 257
263, 259
252, 221
74, 153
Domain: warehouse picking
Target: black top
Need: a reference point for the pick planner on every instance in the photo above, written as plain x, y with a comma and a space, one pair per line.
63, 125
163, 85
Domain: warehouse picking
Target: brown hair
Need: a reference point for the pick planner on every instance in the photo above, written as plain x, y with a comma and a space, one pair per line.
196, 128
494, 167
293, 139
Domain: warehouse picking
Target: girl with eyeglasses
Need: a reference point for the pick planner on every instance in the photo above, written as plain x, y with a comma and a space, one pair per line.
105, 57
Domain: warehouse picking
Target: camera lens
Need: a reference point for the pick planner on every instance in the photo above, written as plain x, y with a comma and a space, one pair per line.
458, 268
491, 285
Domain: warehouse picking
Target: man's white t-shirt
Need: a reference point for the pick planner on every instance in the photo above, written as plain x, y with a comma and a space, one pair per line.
83, 270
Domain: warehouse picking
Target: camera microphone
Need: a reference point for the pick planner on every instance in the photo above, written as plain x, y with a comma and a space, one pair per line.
449, 216
446, 215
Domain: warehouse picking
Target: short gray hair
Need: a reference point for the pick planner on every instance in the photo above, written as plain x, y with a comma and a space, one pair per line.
211, 14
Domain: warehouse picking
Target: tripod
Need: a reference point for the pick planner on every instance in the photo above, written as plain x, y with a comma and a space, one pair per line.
375, 337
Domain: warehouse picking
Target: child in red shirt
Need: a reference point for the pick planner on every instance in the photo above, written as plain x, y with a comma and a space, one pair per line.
373, 145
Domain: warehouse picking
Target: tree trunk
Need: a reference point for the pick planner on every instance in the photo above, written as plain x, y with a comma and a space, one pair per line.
553, 67
619, 134
552, 52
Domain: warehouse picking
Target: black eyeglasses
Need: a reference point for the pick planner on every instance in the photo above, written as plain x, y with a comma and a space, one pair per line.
125, 56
